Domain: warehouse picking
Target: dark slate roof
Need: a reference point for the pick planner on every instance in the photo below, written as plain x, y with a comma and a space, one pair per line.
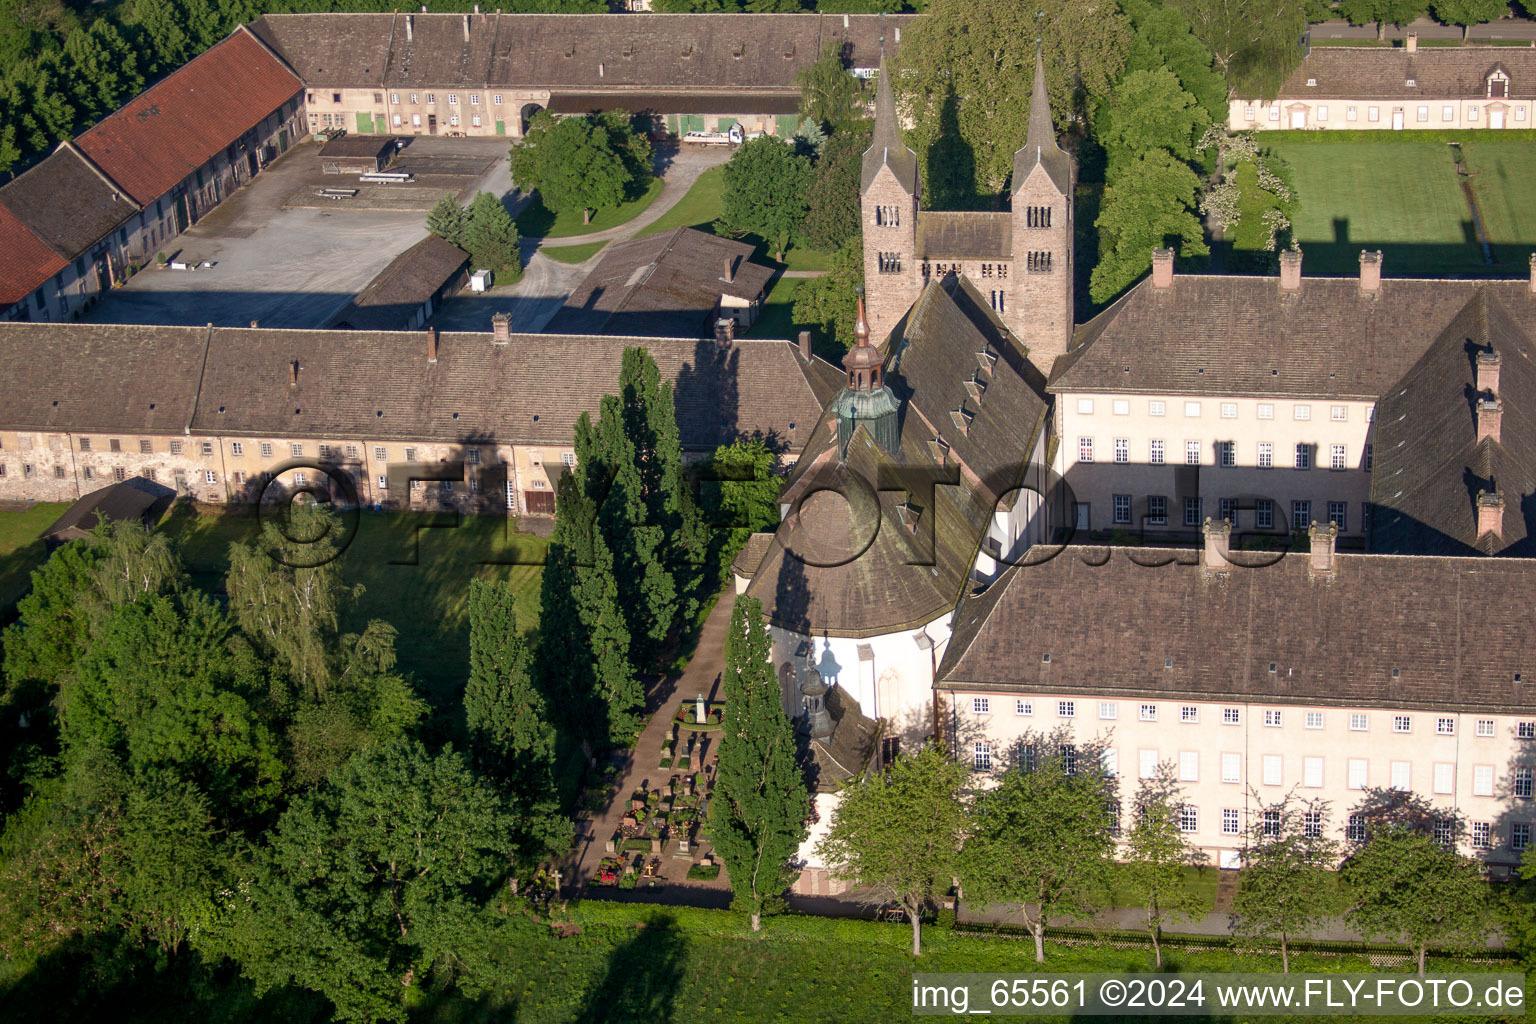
108, 378
392, 298
119, 502
175, 126
85, 377
1438, 72
1243, 336
1456, 629
67, 203
566, 51
1040, 147
357, 145
665, 285
846, 753
26, 262
854, 565
751, 554
1429, 465
887, 148
964, 235
755, 102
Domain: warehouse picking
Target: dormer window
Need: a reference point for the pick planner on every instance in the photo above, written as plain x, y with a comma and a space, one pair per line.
1312, 83
1498, 84
1410, 83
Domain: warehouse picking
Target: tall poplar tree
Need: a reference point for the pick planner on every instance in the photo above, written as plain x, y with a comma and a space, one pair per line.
759, 811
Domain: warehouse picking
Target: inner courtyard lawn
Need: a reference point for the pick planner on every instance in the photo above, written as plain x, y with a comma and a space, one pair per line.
701, 206
538, 221
1401, 197
1506, 195
21, 547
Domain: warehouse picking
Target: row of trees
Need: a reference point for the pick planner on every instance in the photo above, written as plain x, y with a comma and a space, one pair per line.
485, 230
1048, 836
245, 780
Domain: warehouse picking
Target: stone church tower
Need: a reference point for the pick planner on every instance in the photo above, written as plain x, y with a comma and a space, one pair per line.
1042, 235
888, 199
1019, 260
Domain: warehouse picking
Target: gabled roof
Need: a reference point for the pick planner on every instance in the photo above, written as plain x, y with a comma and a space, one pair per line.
1437, 72
392, 298
887, 148
1040, 147
964, 235
174, 127
895, 551
1383, 630
598, 52
67, 202
665, 285
26, 262
365, 385
1430, 466
1219, 335
116, 503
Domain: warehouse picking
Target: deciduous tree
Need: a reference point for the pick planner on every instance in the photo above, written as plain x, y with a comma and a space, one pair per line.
1383, 12
574, 163
1156, 855
740, 496
829, 303
1044, 836
832, 197
897, 834
1150, 204
1150, 110
1255, 43
1287, 884
765, 186
760, 807
1467, 13
828, 93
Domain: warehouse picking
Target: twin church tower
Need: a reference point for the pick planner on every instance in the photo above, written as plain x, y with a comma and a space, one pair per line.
1020, 260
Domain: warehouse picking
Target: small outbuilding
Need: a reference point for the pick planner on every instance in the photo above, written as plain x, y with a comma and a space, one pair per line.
357, 154
406, 294
137, 498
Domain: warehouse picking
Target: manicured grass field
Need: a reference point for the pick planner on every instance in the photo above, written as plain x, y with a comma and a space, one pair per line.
538, 221
572, 253
1400, 197
1506, 196
21, 547
415, 576
777, 319
700, 207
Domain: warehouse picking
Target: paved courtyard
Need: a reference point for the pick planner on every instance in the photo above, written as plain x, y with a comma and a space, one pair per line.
293, 267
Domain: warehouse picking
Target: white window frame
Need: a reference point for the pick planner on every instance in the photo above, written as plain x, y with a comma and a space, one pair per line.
1157, 408
1444, 778
1066, 709
1273, 719
1445, 727
981, 705
1359, 773
1023, 708
981, 756
1229, 410
1146, 763
1401, 776
1231, 716
1147, 713
1232, 767
1485, 727
1108, 710
1482, 780
1313, 720
1273, 770
1231, 822
1122, 407
1189, 766
1191, 410
1312, 772
1189, 714
1402, 724
1359, 721
1085, 407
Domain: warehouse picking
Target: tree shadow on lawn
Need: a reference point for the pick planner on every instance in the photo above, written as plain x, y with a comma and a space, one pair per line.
642, 980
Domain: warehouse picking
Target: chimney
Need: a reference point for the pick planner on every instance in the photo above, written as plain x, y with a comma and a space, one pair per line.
730, 269
805, 345
293, 373
1370, 272
1290, 270
1490, 513
255, 324
1533, 273
1324, 542
501, 329
1162, 268
431, 344
477, 8
1489, 412
410, 27
1488, 373
1411, 42
1218, 541
466, 28
725, 331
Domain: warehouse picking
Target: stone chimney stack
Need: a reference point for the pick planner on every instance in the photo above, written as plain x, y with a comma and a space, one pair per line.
293, 373
501, 329
1411, 43
1489, 412
730, 269
1290, 270
1490, 513
805, 345
432, 344
1218, 542
725, 331
1162, 268
1370, 272
1325, 541
1488, 373
410, 27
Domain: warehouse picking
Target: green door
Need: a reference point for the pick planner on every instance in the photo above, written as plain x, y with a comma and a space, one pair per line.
788, 125
726, 124
365, 122
693, 123
501, 127
672, 123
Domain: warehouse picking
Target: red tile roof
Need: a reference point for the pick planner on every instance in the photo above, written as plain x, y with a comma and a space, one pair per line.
175, 127
25, 260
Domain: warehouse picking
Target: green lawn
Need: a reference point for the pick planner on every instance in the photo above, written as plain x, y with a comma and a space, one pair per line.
538, 221
1506, 197
572, 253
777, 319
414, 577
1401, 197
700, 207
1200, 881
21, 547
